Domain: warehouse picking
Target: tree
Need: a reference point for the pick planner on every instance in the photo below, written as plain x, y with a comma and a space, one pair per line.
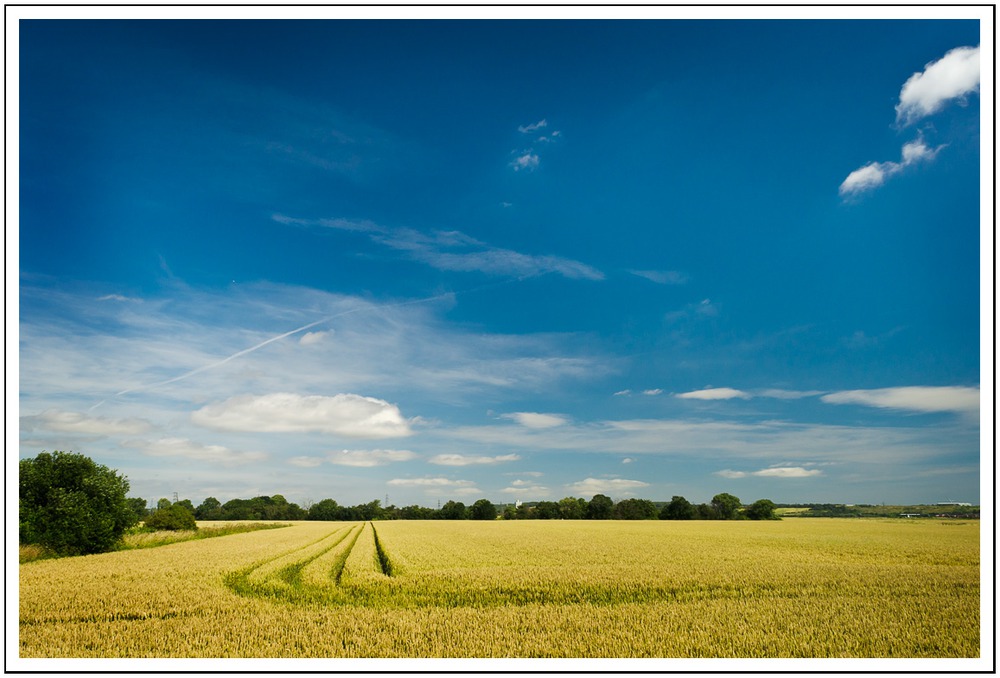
679, 508
762, 509
186, 503
600, 507
72, 505
546, 510
726, 506
138, 505
209, 509
325, 509
453, 510
635, 509
571, 508
174, 517
483, 509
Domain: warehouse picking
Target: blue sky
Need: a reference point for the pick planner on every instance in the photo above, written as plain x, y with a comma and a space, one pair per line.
507, 259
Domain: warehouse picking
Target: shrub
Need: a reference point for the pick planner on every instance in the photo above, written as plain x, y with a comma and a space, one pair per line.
173, 517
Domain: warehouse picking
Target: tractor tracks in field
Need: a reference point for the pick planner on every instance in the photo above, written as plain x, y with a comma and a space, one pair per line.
315, 572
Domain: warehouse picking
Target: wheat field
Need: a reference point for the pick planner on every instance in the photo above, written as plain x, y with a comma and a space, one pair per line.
794, 588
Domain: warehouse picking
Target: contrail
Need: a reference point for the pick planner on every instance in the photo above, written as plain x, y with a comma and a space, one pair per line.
283, 335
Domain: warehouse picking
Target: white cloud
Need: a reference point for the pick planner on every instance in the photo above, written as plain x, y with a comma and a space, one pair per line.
465, 460
310, 338
953, 76
773, 472
430, 482
788, 472
456, 251
526, 160
77, 422
536, 419
714, 394
187, 449
369, 458
533, 127
524, 488
628, 460
652, 391
785, 394
306, 462
343, 414
875, 174
963, 399
613, 486
119, 297
662, 277
623, 393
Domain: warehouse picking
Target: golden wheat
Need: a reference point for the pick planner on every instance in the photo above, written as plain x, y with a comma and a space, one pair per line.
795, 588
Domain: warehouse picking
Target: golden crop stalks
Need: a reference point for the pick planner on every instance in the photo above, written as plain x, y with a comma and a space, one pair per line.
795, 588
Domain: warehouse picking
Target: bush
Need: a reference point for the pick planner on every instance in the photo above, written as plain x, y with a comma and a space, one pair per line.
173, 517
71, 505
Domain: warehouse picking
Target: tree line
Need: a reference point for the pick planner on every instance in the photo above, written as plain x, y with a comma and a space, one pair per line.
723, 506
71, 505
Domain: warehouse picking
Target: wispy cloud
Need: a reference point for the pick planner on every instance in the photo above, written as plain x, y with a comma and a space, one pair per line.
952, 77
536, 419
467, 460
369, 458
617, 487
77, 422
526, 488
188, 449
714, 394
439, 486
533, 127
964, 399
663, 277
772, 472
456, 251
344, 414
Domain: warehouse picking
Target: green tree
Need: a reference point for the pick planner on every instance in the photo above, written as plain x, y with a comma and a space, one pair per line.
138, 505
71, 505
762, 509
325, 509
453, 510
163, 503
174, 517
679, 508
483, 509
600, 507
209, 509
635, 509
546, 510
571, 508
186, 503
726, 506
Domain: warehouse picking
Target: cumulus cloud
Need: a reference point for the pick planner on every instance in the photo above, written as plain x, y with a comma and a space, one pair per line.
440, 486
875, 174
952, 77
536, 419
343, 414
310, 338
964, 399
613, 486
368, 458
526, 160
714, 394
77, 422
188, 449
465, 460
